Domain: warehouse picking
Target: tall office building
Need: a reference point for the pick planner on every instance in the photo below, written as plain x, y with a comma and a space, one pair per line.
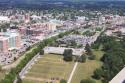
9, 41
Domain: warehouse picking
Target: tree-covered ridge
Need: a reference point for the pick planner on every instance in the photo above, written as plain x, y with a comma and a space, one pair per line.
113, 59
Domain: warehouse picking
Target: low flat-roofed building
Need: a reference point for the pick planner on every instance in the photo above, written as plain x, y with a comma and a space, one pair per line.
60, 50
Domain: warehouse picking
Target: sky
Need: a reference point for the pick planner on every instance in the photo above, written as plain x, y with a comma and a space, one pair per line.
55, 0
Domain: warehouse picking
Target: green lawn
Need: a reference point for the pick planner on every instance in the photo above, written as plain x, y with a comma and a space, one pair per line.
3, 73
85, 70
50, 66
98, 54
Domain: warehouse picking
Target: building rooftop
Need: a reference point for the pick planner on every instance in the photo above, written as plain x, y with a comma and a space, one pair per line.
6, 35
4, 18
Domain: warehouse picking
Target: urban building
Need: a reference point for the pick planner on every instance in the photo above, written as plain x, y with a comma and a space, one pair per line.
9, 41
4, 19
37, 29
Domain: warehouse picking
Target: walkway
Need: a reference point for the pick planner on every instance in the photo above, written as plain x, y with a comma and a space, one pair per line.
72, 73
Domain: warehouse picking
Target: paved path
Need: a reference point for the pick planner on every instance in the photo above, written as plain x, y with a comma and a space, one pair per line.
25, 69
29, 64
72, 73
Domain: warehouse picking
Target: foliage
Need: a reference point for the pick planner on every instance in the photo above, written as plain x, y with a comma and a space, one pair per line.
98, 73
92, 57
113, 59
83, 58
42, 52
88, 49
76, 32
95, 45
88, 33
68, 55
0, 68
98, 29
63, 81
89, 52
87, 81
19, 80
73, 43
28, 48
79, 46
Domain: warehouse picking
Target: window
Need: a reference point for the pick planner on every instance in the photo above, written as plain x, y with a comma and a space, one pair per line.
123, 81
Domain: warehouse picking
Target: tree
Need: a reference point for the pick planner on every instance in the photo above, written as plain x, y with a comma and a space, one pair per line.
79, 46
76, 32
88, 49
68, 55
0, 68
92, 57
28, 48
15, 58
5, 26
83, 58
19, 80
98, 73
42, 52
87, 81
60, 35
73, 43
119, 33
113, 59
63, 81
95, 46
89, 52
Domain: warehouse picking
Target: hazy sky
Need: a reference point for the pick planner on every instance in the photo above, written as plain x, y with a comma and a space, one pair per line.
55, 0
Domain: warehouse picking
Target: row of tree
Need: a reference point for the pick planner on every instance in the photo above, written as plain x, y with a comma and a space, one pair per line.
10, 77
89, 52
113, 59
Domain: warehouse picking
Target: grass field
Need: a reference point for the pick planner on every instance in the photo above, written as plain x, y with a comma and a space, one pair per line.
85, 70
2, 74
48, 67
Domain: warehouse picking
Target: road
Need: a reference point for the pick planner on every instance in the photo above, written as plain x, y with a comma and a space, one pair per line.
28, 65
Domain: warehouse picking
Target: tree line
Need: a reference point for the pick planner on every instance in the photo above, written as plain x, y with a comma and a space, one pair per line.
113, 58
